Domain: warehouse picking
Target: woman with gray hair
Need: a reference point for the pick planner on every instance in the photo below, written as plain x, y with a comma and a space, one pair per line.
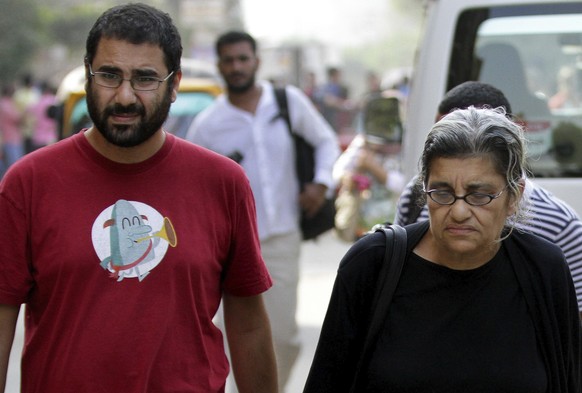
471, 134
477, 306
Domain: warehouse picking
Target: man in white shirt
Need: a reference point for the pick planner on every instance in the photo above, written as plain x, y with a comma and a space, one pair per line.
245, 124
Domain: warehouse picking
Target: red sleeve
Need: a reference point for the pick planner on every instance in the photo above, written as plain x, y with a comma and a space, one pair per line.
246, 273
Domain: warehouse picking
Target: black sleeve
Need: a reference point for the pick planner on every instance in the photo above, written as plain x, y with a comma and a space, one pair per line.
565, 307
545, 279
344, 327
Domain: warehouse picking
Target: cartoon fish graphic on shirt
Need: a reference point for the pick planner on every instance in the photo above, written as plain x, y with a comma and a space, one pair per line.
130, 242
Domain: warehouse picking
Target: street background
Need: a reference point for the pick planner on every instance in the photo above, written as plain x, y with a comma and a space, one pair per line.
319, 261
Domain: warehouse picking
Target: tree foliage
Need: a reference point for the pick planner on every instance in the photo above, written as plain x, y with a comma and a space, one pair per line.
70, 28
29, 27
20, 36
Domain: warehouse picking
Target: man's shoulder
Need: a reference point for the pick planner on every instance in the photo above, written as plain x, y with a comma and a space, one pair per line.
210, 158
217, 107
411, 186
208, 118
294, 93
538, 249
544, 202
43, 163
55, 151
196, 152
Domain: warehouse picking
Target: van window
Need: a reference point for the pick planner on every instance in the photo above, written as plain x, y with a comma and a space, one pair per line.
534, 55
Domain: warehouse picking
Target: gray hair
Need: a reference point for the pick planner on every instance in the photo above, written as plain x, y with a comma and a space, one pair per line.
473, 132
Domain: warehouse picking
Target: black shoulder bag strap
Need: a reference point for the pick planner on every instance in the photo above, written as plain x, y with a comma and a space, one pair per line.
388, 277
281, 97
304, 152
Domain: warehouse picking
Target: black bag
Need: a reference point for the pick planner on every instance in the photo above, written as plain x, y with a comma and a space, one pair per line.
323, 221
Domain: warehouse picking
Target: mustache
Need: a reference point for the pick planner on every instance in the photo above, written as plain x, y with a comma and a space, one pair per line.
119, 109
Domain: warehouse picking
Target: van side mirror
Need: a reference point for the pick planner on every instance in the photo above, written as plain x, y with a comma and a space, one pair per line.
381, 118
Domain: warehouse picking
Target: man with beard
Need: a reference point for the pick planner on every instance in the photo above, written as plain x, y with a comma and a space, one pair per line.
122, 240
246, 125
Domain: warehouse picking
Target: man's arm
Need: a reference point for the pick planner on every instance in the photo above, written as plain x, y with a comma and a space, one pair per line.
312, 198
251, 347
8, 318
403, 205
569, 239
308, 122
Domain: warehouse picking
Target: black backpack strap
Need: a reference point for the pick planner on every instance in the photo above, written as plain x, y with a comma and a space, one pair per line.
281, 97
304, 152
390, 271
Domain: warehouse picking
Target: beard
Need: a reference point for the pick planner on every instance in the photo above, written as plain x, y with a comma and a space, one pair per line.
241, 87
128, 135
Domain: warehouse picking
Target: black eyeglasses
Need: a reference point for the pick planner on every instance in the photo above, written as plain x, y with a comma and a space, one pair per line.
140, 83
444, 197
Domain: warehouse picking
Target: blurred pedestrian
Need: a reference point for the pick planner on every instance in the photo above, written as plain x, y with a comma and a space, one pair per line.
373, 84
25, 96
566, 97
478, 306
246, 125
123, 239
333, 98
44, 128
310, 86
549, 217
10, 127
368, 171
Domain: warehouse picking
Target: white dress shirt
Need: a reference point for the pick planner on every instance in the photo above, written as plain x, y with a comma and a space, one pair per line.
267, 151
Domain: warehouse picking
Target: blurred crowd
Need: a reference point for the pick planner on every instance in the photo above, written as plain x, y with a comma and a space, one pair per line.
338, 106
367, 174
24, 121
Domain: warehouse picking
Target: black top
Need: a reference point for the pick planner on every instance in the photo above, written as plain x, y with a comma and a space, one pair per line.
457, 331
544, 288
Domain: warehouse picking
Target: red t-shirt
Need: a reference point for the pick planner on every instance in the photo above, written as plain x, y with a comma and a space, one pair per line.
122, 266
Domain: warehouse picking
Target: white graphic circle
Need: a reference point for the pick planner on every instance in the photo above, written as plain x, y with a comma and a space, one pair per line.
101, 235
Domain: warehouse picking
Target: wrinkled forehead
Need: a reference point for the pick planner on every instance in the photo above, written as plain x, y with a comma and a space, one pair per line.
128, 56
464, 171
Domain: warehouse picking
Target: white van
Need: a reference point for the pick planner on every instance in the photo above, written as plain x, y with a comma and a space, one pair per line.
532, 51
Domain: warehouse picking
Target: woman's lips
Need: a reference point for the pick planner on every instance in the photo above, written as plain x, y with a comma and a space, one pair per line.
459, 229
